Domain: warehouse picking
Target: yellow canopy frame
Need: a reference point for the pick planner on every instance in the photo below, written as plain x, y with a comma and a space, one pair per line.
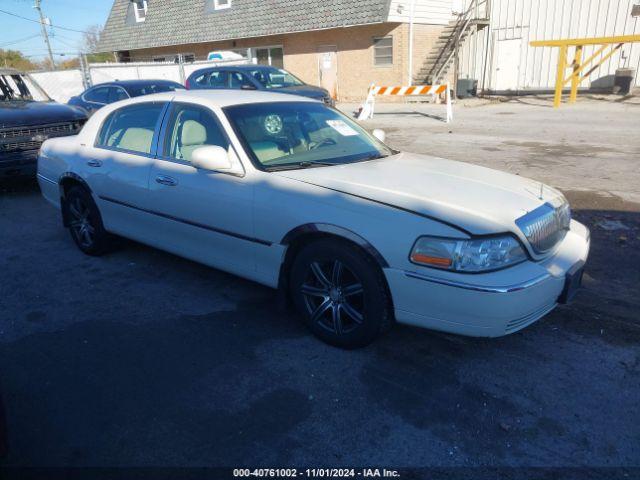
613, 44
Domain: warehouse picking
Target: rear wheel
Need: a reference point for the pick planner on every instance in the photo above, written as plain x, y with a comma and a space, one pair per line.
340, 293
85, 222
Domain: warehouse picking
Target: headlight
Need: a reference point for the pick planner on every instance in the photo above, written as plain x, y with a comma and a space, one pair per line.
474, 255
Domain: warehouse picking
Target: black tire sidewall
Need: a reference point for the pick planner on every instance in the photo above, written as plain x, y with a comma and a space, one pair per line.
101, 236
376, 304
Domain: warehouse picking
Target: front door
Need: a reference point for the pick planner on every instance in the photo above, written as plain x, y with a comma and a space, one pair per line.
328, 69
507, 73
202, 215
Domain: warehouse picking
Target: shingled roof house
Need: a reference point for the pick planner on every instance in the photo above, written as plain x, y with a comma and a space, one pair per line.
343, 45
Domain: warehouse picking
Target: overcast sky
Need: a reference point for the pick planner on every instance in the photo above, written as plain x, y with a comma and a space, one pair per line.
73, 14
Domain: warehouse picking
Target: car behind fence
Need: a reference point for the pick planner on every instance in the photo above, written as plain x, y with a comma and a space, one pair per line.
61, 85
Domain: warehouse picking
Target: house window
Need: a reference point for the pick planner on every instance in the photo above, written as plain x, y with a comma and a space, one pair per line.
273, 56
221, 4
383, 51
140, 10
175, 58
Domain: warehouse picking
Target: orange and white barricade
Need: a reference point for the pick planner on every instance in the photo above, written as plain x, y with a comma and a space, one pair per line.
366, 111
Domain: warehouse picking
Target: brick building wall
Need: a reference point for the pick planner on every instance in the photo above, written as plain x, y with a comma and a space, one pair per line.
355, 54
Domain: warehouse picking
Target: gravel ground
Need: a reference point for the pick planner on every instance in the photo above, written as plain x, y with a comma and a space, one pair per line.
141, 358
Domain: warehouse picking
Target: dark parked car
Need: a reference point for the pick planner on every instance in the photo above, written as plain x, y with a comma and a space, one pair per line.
27, 118
105, 93
255, 77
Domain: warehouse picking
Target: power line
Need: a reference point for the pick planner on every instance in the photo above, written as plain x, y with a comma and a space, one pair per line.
36, 21
19, 40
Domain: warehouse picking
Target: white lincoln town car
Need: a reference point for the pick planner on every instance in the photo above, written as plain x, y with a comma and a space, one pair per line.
292, 194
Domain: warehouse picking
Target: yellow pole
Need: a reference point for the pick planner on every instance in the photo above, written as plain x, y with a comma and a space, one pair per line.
575, 77
562, 66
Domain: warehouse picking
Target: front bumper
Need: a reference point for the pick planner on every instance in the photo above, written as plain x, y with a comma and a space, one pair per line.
489, 304
18, 163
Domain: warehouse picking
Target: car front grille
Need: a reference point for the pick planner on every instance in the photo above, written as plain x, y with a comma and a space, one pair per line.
31, 137
545, 226
7, 147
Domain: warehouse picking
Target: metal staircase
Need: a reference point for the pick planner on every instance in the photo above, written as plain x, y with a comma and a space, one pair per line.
440, 58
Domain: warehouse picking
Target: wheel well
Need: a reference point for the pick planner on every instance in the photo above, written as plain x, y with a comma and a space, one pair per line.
66, 184
300, 241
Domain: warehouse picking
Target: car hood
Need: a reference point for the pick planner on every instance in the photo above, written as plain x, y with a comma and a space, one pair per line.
20, 113
473, 198
304, 91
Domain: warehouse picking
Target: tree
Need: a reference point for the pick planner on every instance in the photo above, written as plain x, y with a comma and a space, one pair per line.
15, 59
91, 40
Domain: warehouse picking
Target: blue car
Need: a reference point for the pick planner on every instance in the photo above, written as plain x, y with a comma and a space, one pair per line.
255, 77
105, 93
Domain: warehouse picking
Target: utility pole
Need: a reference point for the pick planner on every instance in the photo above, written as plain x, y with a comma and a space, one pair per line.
44, 32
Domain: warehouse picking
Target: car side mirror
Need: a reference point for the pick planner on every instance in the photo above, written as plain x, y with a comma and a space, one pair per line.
379, 134
211, 157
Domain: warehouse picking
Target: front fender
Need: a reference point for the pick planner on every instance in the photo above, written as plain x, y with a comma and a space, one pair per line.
336, 230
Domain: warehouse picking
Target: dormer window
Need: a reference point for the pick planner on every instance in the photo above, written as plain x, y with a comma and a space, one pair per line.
221, 4
140, 10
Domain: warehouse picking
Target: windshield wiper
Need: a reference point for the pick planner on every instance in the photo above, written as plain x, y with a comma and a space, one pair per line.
297, 165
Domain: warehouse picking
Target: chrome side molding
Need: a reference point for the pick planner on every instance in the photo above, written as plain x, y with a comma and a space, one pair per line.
480, 288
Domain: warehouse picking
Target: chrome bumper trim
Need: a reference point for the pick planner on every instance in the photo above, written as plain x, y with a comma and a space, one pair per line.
479, 288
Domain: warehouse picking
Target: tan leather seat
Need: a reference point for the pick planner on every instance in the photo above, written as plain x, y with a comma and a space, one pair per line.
193, 135
135, 139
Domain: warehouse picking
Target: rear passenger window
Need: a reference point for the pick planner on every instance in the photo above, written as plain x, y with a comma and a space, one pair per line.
218, 79
117, 94
98, 95
131, 128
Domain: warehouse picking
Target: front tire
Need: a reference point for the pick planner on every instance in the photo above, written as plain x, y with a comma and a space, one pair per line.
85, 222
340, 293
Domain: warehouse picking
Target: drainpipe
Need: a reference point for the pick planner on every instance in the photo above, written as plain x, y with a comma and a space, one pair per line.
411, 14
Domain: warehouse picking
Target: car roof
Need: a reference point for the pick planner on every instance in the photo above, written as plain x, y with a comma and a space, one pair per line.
226, 98
239, 68
138, 83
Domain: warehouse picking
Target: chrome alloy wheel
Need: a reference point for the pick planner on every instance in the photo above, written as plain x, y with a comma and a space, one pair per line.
80, 222
334, 297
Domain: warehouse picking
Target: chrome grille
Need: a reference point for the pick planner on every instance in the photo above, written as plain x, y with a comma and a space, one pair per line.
545, 226
50, 130
7, 147
31, 137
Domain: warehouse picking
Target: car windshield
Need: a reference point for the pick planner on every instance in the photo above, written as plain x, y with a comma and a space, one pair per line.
12, 87
149, 88
289, 135
19, 87
270, 77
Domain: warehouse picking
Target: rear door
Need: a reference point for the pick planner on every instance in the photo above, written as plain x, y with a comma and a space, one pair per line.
203, 215
118, 167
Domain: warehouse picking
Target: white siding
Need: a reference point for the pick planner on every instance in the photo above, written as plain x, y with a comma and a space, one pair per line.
433, 12
550, 19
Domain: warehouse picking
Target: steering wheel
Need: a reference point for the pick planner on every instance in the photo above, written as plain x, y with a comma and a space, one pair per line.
323, 143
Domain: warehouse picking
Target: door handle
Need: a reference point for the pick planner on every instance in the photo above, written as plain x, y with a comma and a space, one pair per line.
94, 163
165, 180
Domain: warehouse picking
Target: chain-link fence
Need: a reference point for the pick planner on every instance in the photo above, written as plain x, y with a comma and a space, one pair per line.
61, 85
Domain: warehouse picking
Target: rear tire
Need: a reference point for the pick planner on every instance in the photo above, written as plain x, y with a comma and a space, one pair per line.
341, 294
85, 222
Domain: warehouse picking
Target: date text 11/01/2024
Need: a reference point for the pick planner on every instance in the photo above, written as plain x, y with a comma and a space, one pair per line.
316, 473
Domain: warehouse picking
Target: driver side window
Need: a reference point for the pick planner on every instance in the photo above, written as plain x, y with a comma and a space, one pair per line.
190, 127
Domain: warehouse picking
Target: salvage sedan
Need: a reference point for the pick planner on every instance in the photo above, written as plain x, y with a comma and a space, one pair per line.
292, 194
